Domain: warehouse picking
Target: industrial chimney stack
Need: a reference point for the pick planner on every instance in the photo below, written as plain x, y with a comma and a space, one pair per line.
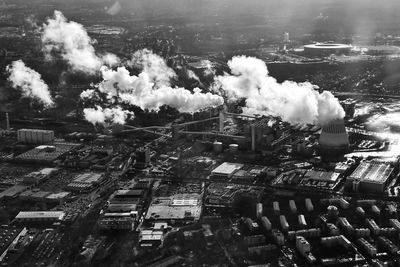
7, 122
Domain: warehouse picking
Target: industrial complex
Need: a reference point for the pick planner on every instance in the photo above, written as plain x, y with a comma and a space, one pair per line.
200, 137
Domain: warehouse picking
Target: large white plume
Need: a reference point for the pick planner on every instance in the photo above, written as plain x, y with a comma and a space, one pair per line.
293, 102
106, 116
154, 66
29, 81
151, 89
72, 41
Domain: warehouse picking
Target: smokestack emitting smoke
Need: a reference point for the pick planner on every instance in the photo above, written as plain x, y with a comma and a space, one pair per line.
72, 41
29, 81
293, 102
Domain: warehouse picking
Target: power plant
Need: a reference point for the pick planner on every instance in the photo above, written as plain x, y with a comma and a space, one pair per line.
334, 140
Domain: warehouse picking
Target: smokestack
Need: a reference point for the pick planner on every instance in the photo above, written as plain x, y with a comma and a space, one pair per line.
221, 121
7, 122
253, 137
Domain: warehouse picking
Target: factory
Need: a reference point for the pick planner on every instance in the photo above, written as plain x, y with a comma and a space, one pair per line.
39, 217
225, 171
35, 136
370, 177
123, 209
86, 182
46, 154
34, 178
326, 49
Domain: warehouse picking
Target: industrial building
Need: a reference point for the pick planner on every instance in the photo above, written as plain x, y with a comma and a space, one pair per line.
334, 140
153, 236
34, 178
321, 179
123, 210
181, 207
39, 216
46, 154
35, 136
225, 171
86, 182
223, 194
370, 177
326, 49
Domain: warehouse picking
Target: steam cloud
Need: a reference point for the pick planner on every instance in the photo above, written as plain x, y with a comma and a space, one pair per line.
293, 102
106, 116
74, 44
149, 90
29, 81
154, 66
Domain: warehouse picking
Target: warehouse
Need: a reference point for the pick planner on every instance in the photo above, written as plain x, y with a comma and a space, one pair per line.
35, 136
86, 182
225, 170
39, 216
370, 177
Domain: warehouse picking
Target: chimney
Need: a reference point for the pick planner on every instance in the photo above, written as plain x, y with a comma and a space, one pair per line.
221, 121
253, 137
7, 122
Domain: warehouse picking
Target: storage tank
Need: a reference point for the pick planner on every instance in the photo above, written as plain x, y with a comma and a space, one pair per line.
292, 205
233, 148
217, 147
309, 205
284, 223
276, 208
266, 223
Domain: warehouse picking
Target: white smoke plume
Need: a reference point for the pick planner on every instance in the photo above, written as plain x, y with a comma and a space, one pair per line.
293, 102
209, 69
154, 65
114, 9
88, 94
106, 116
141, 91
192, 75
71, 40
29, 81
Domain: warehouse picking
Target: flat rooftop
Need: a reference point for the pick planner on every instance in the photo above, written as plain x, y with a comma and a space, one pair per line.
227, 168
372, 172
175, 207
59, 215
322, 176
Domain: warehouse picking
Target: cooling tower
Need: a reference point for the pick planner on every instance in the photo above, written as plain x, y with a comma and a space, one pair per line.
334, 140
